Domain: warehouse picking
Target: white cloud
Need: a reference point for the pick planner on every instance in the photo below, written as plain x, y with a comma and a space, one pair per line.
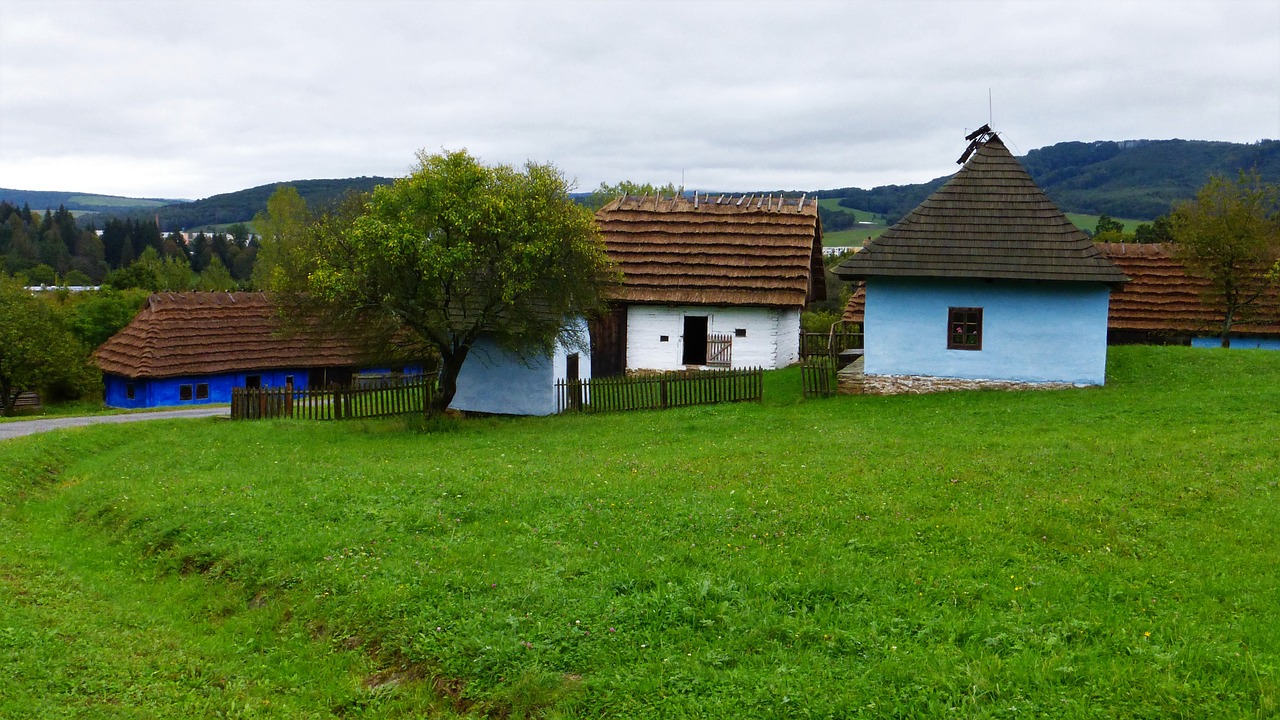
196, 98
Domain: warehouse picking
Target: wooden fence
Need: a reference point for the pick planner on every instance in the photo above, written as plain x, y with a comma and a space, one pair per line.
399, 396
694, 387
841, 337
818, 376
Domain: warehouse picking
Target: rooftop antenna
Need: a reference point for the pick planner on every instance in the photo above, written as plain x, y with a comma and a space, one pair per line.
976, 139
990, 119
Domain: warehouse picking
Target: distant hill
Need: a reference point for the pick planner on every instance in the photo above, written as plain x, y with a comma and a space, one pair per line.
1139, 179
224, 209
1136, 179
79, 202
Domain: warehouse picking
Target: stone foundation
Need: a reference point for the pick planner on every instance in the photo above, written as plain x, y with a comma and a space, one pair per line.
919, 384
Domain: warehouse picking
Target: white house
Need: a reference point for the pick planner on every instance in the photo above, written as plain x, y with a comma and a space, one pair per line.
707, 281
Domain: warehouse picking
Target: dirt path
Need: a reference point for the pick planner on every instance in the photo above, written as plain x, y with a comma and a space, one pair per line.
29, 427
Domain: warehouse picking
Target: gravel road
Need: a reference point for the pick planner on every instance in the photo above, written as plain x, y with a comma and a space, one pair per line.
28, 427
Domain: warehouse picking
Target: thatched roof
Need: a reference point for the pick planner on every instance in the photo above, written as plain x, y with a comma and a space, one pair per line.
201, 333
989, 221
709, 250
1160, 298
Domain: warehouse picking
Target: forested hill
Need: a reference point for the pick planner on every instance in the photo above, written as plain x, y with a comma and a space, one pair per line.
241, 206
1137, 179
224, 209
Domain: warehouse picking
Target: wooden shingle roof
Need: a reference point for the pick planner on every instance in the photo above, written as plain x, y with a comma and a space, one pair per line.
1163, 298
989, 221
1160, 297
710, 250
201, 333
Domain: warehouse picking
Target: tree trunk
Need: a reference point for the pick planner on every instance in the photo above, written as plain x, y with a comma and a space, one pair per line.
1227, 321
6, 399
447, 386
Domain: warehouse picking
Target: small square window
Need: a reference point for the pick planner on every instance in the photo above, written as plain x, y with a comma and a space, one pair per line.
129, 391
202, 391
253, 381
664, 338
964, 328
740, 332
184, 392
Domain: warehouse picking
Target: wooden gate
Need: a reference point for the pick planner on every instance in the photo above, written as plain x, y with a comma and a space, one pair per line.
719, 350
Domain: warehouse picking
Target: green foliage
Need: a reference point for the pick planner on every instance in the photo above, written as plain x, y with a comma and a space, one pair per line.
457, 250
1075, 554
216, 277
1230, 235
95, 316
606, 193
36, 352
281, 228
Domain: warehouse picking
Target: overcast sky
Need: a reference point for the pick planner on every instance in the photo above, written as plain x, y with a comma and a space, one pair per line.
191, 99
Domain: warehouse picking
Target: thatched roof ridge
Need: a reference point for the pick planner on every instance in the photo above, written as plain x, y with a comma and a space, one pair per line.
202, 333
989, 221
715, 249
1160, 297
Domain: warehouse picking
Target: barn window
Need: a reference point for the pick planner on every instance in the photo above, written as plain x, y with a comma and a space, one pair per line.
253, 382
202, 391
664, 338
740, 332
184, 392
964, 328
129, 390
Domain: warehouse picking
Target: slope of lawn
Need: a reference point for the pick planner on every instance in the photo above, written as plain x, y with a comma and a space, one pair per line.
1084, 553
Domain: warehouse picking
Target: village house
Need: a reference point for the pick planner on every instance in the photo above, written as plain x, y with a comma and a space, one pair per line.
1164, 304
193, 348
708, 281
985, 284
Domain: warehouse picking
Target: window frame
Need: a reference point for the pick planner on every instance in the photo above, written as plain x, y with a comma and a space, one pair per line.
964, 330
186, 392
202, 391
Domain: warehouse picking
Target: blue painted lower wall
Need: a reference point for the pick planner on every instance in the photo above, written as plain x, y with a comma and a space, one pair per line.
1238, 343
1032, 331
166, 392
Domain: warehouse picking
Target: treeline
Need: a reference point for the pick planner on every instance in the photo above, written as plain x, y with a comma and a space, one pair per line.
53, 249
1138, 179
243, 205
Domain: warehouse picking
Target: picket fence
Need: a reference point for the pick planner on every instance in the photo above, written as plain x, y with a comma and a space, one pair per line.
652, 392
382, 398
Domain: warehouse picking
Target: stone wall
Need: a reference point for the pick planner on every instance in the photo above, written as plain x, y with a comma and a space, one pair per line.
917, 384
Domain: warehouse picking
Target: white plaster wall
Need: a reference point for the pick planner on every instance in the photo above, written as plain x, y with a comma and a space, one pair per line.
772, 338
495, 381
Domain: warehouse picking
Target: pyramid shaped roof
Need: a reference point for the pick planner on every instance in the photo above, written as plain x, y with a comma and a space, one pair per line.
989, 221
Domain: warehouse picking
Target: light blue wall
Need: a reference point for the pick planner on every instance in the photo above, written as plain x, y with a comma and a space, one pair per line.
1238, 343
493, 380
1032, 332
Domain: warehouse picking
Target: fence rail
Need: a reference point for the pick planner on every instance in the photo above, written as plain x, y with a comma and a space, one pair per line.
831, 343
368, 400
719, 350
694, 387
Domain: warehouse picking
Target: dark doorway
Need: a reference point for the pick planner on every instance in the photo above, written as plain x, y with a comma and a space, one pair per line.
609, 343
253, 382
695, 340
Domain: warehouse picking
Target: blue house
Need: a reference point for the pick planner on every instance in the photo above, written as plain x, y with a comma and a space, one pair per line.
193, 348
985, 285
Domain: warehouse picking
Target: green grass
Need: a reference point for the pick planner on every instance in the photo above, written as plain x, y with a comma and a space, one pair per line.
856, 236
108, 201
1082, 553
83, 408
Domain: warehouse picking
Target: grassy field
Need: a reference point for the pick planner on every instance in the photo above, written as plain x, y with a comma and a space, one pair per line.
1083, 553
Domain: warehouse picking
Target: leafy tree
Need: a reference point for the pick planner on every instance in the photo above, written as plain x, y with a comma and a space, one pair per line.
1230, 235
1107, 227
1160, 231
604, 194
42, 275
458, 250
93, 317
281, 228
36, 352
216, 277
